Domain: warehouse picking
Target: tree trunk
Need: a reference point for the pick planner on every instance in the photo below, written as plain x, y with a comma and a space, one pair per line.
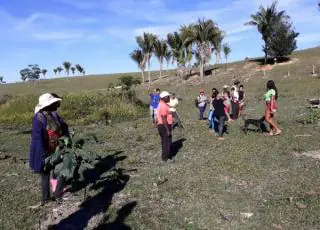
142, 75
161, 62
149, 71
201, 70
227, 63
217, 58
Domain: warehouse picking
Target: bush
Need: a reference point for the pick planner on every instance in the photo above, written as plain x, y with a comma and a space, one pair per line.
77, 109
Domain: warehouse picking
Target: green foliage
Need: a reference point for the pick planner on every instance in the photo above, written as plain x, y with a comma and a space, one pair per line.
77, 109
226, 51
73, 69
32, 73
276, 31
128, 81
69, 160
59, 69
1, 79
44, 72
67, 66
283, 41
55, 71
79, 68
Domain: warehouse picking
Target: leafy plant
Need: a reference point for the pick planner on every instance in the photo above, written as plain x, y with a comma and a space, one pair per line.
138, 57
70, 161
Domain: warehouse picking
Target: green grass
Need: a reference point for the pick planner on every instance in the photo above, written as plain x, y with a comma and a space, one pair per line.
210, 179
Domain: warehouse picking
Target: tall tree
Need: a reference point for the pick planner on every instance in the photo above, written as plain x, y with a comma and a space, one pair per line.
66, 66
73, 69
32, 73
146, 43
177, 48
264, 20
226, 52
217, 43
283, 40
79, 68
44, 72
55, 70
202, 36
168, 57
84, 72
59, 69
138, 57
160, 51
1, 79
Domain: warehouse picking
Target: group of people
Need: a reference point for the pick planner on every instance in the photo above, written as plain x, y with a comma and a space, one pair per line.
48, 126
224, 106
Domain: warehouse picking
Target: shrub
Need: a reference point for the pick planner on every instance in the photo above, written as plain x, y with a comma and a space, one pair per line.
78, 109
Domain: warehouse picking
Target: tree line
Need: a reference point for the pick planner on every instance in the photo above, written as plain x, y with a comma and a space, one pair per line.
198, 41
34, 72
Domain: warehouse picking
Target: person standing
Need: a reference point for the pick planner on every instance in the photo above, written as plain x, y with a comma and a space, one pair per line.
221, 113
242, 97
153, 104
173, 109
271, 97
202, 103
164, 120
47, 128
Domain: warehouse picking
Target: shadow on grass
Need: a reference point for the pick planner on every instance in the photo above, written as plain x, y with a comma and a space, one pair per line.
118, 223
176, 146
93, 175
99, 204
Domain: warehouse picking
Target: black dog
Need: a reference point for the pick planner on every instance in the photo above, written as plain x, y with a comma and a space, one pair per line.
259, 123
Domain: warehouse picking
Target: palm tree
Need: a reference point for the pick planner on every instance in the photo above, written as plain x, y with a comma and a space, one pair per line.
84, 72
138, 57
1, 79
73, 70
66, 66
217, 43
146, 42
59, 69
264, 20
168, 57
226, 52
186, 32
79, 68
202, 36
44, 72
55, 71
177, 48
160, 51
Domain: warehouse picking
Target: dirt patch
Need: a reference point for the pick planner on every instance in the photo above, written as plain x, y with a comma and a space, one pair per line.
314, 154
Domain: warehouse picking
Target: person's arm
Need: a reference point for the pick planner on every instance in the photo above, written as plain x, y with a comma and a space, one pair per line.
37, 148
227, 114
272, 101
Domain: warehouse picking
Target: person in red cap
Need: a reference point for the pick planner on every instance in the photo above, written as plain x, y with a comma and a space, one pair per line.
164, 120
202, 103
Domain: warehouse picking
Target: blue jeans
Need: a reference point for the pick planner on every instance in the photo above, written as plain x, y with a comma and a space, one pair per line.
202, 110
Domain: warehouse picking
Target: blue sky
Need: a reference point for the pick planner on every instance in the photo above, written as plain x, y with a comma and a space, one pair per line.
99, 34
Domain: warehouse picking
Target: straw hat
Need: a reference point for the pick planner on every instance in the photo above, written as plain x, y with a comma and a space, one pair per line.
45, 100
225, 86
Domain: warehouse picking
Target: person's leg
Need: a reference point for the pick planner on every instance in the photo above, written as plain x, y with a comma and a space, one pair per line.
59, 189
151, 113
269, 119
201, 113
45, 187
163, 134
221, 125
168, 145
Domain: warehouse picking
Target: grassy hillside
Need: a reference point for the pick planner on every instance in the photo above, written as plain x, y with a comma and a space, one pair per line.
211, 185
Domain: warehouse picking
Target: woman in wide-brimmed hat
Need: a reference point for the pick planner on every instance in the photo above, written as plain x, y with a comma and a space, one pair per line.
47, 128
